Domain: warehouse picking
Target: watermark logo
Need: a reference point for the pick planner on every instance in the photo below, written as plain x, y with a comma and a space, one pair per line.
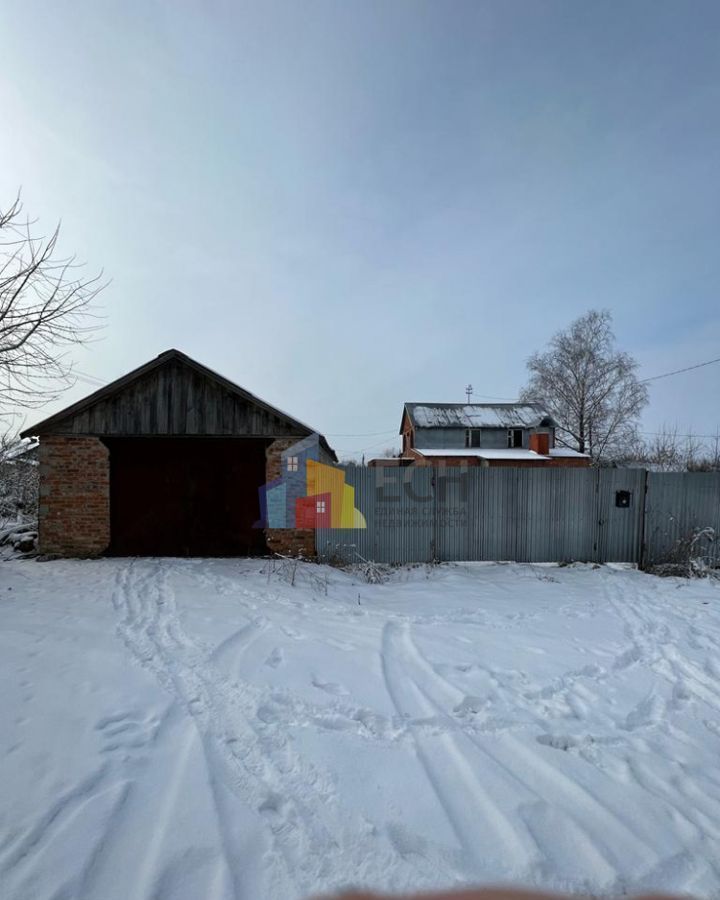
309, 493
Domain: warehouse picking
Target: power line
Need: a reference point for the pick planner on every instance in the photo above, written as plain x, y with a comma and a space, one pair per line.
359, 433
709, 362
672, 433
89, 379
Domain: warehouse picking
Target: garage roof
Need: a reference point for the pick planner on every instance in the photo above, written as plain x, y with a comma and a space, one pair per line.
173, 394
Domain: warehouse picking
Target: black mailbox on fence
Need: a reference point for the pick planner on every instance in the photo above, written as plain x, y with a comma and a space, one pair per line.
623, 499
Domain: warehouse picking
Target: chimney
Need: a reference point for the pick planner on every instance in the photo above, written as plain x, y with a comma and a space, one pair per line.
540, 442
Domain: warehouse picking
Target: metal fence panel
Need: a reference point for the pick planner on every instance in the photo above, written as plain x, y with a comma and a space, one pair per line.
527, 515
678, 503
398, 505
619, 527
452, 486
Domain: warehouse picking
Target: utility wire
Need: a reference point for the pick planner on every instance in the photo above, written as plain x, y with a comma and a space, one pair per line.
672, 433
359, 433
709, 362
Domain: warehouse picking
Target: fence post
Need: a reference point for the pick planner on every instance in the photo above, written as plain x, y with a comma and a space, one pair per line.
642, 561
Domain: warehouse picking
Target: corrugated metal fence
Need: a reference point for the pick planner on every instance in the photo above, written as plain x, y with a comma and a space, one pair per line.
677, 504
526, 515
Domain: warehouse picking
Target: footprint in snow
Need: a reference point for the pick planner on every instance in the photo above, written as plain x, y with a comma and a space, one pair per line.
330, 687
275, 658
469, 706
123, 731
649, 711
557, 741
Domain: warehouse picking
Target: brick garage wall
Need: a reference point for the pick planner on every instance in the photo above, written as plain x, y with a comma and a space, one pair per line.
286, 541
273, 461
74, 509
291, 541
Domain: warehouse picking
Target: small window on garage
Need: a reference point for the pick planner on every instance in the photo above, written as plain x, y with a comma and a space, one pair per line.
320, 506
472, 437
292, 463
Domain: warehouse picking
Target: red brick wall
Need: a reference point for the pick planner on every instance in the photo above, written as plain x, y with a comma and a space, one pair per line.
273, 462
540, 442
569, 462
291, 541
74, 511
286, 541
444, 461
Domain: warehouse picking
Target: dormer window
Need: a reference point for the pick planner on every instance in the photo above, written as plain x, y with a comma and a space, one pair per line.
472, 437
515, 437
292, 463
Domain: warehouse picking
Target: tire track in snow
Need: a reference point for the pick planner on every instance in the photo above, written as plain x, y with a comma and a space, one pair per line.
307, 841
482, 828
593, 818
151, 630
67, 804
128, 839
133, 840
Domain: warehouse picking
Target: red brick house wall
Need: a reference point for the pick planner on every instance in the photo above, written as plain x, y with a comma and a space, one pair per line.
74, 510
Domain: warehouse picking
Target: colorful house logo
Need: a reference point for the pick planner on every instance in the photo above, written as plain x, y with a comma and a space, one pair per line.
309, 493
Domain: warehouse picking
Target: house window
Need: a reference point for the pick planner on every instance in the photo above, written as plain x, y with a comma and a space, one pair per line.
515, 437
292, 463
472, 437
320, 507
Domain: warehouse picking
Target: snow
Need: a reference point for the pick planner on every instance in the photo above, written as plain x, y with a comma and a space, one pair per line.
567, 452
201, 728
509, 453
476, 415
21, 449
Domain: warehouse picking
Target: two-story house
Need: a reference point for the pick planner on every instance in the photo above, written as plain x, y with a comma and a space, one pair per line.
485, 434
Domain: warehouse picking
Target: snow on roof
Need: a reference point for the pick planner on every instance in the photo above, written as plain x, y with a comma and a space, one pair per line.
20, 448
511, 453
567, 452
478, 415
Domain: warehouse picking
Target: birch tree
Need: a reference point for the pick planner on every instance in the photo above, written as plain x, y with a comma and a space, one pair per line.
590, 387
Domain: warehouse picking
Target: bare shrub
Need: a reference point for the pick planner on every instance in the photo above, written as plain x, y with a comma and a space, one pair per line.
295, 571
695, 555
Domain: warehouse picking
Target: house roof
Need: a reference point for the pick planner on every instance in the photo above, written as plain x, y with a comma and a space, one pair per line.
568, 453
478, 415
47, 426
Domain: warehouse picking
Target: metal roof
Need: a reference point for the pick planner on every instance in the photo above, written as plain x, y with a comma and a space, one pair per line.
479, 415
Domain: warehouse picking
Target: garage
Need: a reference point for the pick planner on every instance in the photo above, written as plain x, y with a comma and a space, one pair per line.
167, 460
186, 496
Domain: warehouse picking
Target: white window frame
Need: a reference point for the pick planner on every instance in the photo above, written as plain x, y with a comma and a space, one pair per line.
469, 436
320, 507
292, 464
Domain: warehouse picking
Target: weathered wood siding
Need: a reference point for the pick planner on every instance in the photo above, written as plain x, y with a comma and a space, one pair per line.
175, 399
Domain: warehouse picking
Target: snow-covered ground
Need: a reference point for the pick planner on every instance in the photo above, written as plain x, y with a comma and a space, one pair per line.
201, 729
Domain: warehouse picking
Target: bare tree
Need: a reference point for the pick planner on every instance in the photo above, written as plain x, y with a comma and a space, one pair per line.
665, 452
668, 451
45, 307
589, 386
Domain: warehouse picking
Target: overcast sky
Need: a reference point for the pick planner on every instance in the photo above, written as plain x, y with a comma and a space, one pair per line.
345, 205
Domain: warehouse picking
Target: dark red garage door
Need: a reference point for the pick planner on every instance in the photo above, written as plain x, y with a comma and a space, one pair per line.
186, 496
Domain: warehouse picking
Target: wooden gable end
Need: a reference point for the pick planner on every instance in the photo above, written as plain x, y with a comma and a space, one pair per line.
174, 398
